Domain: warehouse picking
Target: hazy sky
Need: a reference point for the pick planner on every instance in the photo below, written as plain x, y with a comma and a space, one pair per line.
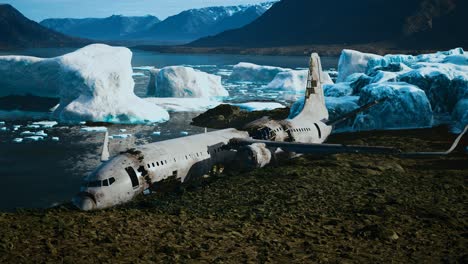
41, 9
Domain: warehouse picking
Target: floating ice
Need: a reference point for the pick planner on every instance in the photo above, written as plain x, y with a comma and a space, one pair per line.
138, 74
3, 129
120, 136
46, 124
259, 106
34, 138
93, 129
352, 61
289, 80
406, 106
27, 133
184, 104
184, 133
156, 133
2, 123
18, 140
460, 114
123, 130
33, 126
185, 82
250, 72
41, 133
93, 83
55, 139
16, 127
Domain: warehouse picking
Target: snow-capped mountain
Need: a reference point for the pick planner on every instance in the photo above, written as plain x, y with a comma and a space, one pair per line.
409, 23
186, 26
115, 27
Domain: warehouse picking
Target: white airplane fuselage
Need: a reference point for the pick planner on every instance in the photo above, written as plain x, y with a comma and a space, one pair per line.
126, 175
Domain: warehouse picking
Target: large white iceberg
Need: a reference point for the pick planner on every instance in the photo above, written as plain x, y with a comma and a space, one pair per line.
406, 106
93, 83
295, 80
249, 72
352, 61
185, 82
460, 114
259, 106
184, 104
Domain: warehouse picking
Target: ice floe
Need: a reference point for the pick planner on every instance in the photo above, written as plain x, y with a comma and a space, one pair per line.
46, 124
259, 106
93, 83
418, 87
93, 129
120, 136
33, 138
250, 72
184, 104
55, 139
17, 140
186, 82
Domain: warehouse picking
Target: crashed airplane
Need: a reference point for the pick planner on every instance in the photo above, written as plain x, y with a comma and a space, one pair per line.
121, 178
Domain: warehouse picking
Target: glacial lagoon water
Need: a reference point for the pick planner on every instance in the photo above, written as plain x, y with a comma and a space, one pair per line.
44, 173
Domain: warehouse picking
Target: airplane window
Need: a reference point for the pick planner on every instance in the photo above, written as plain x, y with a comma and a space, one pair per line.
175, 160
198, 155
162, 162
165, 161
149, 166
105, 182
186, 157
157, 163
153, 164
94, 184
111, 180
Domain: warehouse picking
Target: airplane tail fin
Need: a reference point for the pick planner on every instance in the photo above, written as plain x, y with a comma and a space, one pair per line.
314, 101
105, 148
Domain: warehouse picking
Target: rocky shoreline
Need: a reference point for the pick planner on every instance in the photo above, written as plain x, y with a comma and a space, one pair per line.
339, 208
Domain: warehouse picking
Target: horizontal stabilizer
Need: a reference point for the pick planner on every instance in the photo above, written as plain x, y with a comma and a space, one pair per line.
312, 148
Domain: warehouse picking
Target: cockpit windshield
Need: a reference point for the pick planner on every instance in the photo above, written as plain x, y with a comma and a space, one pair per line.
106, 182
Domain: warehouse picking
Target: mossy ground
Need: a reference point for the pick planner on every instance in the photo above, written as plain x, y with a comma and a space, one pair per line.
340, 208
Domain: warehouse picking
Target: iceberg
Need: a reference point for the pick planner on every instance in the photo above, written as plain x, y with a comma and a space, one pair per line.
120, 136
93, 83
93, 129
41, 133
184, 133
185, 82
290, 81
406, 106
184, 104
18, 140
259, 106
46, 124
55, 139
460, 114
2, 123
33, 138
27, 133
352, 61
156, 133
249, 72
3, 129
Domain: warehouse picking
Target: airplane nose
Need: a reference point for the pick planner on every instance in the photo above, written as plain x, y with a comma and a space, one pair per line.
84, 201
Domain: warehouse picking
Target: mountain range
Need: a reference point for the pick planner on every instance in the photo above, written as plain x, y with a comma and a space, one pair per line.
115, 27
417, 23
181, 28
16, 31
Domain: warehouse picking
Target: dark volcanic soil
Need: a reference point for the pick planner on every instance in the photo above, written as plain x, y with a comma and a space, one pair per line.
340, 208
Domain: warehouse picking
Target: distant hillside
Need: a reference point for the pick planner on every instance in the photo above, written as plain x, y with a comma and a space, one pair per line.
110, 28
16, 31
344, 22
195, 23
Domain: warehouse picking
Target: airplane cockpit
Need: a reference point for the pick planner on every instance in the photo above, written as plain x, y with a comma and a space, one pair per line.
109, 185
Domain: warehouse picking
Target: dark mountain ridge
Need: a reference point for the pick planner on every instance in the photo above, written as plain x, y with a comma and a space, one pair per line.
17, 31
344, 22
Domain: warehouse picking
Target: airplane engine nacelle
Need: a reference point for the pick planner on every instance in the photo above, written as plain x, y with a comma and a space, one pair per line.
254, 156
